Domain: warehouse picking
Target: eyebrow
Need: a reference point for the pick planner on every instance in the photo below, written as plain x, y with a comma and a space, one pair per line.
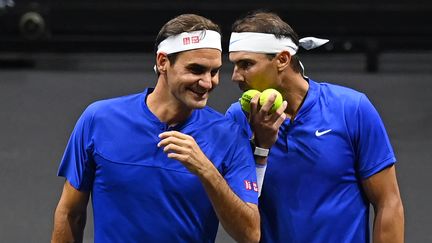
199, 66
244, 60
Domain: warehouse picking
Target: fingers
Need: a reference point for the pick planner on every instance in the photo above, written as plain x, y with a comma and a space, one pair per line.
281, 110
174, 141
280, 115
266, 107
266, 125
173, 134
183, 148
172, 145
254, 105
178, 145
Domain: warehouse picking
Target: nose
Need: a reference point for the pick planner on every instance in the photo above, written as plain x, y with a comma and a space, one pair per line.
206, 81
236, 76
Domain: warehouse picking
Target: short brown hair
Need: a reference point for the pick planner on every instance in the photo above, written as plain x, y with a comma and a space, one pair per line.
262, 21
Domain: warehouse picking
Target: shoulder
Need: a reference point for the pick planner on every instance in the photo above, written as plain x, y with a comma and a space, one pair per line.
339, 91
112, 105
211, 116
234, 109
334, 94
217, 120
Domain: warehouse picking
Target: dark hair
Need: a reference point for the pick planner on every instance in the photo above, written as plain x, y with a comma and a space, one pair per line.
262, 21
184, 23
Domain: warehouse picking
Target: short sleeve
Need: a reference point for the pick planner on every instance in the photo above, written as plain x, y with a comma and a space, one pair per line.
240, 174
236, 114
77, 165
374, 151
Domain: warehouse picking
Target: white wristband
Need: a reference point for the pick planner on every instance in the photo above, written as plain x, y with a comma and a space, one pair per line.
261, 152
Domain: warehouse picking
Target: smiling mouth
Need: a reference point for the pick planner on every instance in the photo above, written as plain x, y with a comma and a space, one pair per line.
199, 93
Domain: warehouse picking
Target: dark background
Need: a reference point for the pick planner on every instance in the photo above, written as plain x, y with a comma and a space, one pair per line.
99, 49
367, 26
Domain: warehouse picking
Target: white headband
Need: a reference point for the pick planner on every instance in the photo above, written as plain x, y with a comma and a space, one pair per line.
191, 40
268, 43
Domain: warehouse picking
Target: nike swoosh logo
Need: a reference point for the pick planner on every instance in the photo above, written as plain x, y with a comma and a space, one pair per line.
318, 133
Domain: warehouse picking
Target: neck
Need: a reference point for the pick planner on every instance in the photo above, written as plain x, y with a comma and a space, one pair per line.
294, 92
165, 107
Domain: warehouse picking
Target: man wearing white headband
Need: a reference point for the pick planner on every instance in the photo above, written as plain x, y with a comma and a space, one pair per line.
160, 165
325, 153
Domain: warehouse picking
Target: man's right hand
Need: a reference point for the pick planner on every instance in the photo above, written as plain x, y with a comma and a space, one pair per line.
265, 125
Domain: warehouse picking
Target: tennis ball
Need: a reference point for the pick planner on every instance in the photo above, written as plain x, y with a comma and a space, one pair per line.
246, 99
265, 95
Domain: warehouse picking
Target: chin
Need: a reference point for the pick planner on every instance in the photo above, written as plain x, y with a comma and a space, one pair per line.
200, 105
194, 104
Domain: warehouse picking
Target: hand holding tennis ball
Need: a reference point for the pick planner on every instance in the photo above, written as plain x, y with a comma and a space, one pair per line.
246, 99
265, 96
249, 94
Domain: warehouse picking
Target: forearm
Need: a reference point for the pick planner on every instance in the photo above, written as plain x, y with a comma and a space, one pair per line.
238, 218
68, 227
389, 224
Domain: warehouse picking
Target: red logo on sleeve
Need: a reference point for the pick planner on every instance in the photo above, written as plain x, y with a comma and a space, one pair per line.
255, 186
248, 185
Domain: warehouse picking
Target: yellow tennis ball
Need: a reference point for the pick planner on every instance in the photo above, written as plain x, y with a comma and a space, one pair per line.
265, 95
246, 99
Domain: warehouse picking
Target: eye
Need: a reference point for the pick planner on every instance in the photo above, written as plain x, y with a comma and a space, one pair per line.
214, 72
245, 64
197, 70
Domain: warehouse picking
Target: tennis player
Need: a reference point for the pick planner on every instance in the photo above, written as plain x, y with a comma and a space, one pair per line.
323, 158
160, 165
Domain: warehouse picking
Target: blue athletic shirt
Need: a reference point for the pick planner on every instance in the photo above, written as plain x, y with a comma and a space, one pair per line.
312, 186
138, 193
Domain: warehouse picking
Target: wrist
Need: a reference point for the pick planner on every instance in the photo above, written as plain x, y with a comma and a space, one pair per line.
261, 152
258, 150
208, 173
260, 160
262, 143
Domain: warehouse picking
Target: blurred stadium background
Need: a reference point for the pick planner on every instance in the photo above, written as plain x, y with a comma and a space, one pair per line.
56, 57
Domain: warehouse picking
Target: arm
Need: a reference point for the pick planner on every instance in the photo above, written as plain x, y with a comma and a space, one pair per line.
240, 219
70, 215
265, 127
383, 192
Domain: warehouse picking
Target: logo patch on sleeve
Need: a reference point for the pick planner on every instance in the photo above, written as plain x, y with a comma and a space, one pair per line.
255, 186
248, 185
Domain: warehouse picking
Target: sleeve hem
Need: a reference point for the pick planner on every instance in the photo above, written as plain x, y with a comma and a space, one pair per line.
379, 167
74, 184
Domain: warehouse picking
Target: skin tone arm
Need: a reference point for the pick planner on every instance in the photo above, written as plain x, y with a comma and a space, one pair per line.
70, 215
240, 219
383, 192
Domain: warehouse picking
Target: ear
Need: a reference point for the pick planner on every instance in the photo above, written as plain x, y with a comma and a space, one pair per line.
162, 62
283, 60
